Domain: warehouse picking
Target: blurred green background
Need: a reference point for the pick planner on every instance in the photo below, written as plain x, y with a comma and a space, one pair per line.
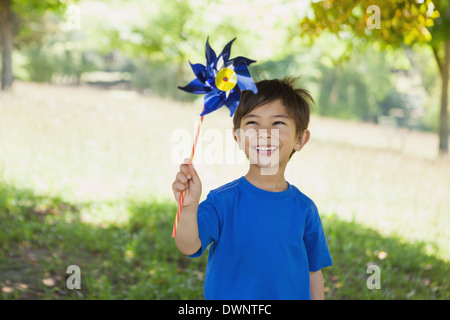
89, 109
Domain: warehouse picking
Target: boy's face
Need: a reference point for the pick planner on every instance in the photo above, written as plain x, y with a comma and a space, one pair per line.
268, 136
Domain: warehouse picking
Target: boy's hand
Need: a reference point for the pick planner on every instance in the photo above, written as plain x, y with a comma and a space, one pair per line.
187, 180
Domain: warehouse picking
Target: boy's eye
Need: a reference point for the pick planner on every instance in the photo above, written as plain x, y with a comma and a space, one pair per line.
251, 122
278, 122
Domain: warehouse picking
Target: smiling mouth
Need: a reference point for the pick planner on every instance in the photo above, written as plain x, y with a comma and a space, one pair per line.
266, 150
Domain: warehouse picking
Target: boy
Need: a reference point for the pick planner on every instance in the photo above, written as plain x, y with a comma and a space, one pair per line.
267, 240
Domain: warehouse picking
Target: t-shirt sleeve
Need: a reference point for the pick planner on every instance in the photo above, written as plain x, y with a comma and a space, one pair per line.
315, 242
208, 223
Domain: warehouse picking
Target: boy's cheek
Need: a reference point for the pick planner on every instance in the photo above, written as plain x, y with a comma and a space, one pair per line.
246, 146
245, 138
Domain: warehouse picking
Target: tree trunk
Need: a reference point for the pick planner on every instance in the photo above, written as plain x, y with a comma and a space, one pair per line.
6, 43
443, 124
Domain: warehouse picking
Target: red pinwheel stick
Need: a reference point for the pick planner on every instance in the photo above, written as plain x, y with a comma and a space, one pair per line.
181, 200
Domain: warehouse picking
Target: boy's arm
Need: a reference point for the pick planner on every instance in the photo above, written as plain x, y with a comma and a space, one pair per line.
187, 238
316, 285
187, 180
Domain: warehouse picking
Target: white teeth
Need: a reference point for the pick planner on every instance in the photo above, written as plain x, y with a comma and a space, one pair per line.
266, 148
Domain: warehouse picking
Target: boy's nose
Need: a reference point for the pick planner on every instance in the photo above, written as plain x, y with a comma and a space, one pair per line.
264, 133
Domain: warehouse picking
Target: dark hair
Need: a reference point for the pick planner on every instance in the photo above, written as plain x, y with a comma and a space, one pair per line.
297, 101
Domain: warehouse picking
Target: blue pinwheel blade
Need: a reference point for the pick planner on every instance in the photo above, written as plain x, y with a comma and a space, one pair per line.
199, 71
244, 79
225, 54
213, 101
241, 60
233, 100
209, 54
196, 87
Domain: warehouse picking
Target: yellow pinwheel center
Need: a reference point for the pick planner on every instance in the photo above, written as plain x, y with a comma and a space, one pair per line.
226, 79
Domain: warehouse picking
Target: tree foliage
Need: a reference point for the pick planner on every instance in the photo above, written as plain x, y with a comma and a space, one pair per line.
20, 23
399, 23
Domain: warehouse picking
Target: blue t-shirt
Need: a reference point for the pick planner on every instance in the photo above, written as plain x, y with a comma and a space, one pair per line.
263, 244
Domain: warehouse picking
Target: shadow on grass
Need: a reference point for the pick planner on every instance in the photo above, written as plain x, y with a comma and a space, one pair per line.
406, 270
41, 236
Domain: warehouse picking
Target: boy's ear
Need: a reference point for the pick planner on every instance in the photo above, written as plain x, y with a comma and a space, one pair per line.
236, 135
302, 140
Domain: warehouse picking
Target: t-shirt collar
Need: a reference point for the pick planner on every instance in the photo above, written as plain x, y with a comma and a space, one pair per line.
264, 193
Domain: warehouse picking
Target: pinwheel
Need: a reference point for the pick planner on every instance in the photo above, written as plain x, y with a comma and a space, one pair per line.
221, 81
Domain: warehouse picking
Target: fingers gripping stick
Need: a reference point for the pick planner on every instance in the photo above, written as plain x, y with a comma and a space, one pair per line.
181, 200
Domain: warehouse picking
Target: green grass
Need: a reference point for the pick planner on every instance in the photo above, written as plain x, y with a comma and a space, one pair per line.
137, 259
40, 237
